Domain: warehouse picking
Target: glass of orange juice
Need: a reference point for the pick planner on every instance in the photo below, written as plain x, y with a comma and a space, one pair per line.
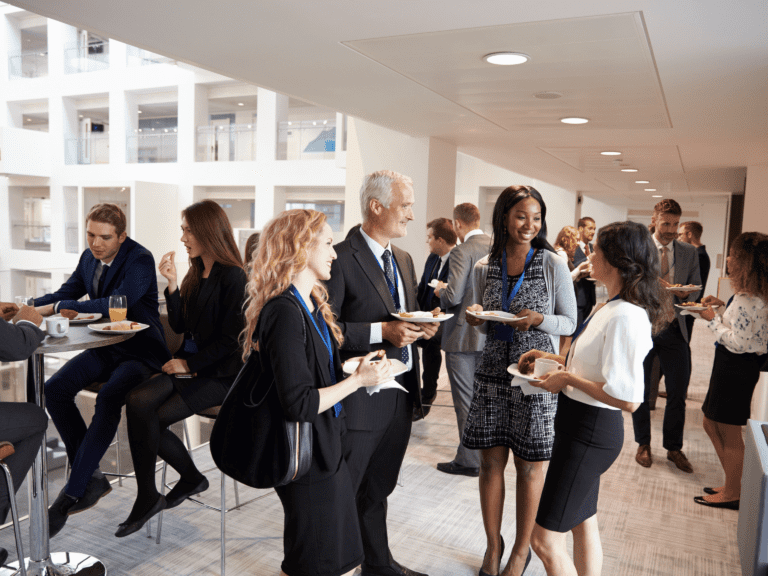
118, 308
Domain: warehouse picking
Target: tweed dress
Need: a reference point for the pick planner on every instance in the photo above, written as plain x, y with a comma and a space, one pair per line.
500, 415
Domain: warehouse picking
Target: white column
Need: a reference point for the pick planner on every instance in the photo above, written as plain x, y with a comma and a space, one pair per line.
187, 121
124, 122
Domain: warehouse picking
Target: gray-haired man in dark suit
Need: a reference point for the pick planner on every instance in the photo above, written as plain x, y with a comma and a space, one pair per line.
462, 344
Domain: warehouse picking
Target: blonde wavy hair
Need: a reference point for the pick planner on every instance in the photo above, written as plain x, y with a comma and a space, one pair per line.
567, 239
283, 252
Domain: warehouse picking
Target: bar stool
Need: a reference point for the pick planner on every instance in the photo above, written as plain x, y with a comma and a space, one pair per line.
6, 450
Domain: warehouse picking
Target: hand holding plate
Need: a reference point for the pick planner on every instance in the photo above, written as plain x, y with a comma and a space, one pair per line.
471, 320
552, 381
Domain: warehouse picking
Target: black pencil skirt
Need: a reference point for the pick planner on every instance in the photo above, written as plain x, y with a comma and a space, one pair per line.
321, 535
733, 381
588, 440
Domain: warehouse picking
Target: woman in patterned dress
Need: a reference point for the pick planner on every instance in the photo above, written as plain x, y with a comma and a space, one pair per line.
501, 418
741, 329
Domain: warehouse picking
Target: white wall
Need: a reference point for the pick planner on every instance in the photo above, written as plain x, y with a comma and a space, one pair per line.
602, 213
756, 200
157, 219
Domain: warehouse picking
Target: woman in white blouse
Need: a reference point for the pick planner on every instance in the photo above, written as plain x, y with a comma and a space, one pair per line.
603, 377
741, 329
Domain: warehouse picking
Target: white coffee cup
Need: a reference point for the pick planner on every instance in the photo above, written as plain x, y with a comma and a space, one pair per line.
543, 366
57, 326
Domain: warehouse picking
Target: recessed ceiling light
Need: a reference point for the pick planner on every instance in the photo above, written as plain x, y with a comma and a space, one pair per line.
574, 120
240, 104
80, 116
506, 58
611, 153
30, 119
650, 189
140, 112
657, 196
548, 95
642, 182
629, 170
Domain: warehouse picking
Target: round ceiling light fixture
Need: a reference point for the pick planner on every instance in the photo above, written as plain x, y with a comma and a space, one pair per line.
629, 169
611, 153
548, 95
642, 182
506, 58
657, 196
574, 120
650, 189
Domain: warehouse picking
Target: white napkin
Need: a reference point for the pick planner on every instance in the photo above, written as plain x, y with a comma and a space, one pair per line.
383, 386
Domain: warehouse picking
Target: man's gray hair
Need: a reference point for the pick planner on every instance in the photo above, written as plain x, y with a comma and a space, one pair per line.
378, 186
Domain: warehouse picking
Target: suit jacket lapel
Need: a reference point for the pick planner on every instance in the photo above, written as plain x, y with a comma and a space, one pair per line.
90, 270
203, 296
115, 266
372, 270
321, 352
681, 273
408, 280
444, 272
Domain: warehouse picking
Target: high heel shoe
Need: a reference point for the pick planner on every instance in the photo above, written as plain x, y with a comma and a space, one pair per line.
527, 561
501, 555
128, 528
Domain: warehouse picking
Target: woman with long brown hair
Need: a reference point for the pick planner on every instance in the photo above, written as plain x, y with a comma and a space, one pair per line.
208, 311
741, 331
290, 325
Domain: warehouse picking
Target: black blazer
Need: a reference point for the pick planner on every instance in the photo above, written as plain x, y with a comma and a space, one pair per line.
359, 296
215, 321
132, 274
585, 289
426, 294
293, 353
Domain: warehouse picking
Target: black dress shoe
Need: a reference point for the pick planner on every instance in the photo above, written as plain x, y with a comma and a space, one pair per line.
394, 569
483, 572
94, 491
453, 467
58, 513
128, 528
732, 505
426, 404
3, 556
182, 491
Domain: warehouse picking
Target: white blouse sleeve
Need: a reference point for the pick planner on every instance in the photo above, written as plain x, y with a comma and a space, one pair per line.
748, 330
625, 347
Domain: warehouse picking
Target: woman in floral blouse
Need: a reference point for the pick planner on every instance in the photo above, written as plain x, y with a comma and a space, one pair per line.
741, 329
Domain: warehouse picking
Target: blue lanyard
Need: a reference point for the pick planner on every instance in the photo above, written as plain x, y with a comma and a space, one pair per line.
506, 301
392, 289
581, 328
326, 338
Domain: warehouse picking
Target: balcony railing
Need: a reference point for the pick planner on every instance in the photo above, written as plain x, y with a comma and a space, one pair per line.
233, 143
306, 140
31, 236
152, 147
91, 58
140, 57
91, 150
28, 65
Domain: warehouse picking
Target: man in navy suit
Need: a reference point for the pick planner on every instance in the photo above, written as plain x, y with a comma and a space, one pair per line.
585, 288
441, 238
370, 281
113, 264
679, 264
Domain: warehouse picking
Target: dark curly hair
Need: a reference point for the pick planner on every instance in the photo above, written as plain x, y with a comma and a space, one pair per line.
629, 247
506, 201
748, 266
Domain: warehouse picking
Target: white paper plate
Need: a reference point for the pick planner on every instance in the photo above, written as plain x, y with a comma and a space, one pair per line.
684, 288
692, 308
101, 328
82, 317
398, 368
433, 283
495, 315
524, 380
423, 319
512, 369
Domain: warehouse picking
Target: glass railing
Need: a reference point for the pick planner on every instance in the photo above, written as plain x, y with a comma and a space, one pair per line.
28, 65
93, 150
140, 57
233, 143
91, 58
152, 147
306, 140
31, 236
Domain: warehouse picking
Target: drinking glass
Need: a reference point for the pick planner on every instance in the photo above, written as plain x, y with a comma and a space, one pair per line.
25, 301
118, 308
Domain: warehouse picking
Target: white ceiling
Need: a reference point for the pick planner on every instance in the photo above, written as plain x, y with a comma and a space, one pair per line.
680, 87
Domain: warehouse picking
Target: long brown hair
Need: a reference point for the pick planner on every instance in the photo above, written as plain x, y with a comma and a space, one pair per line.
282, 253
748, 265
210, 226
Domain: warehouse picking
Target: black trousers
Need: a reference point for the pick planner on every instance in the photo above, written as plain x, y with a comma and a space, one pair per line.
23, 425
672, 351
374, 458
431, 361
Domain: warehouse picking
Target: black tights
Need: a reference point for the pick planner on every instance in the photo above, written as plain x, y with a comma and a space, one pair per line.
151, 408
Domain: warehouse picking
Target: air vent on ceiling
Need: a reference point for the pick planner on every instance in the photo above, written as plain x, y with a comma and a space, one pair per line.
548, 95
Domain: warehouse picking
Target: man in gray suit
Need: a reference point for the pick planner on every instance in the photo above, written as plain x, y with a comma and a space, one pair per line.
462, 344
679, 265
21, 424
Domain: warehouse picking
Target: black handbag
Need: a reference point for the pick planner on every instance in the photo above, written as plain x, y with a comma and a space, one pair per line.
251, 440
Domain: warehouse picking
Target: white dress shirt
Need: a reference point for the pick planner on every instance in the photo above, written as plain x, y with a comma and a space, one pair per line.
378, 252
611, 349
670, 257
